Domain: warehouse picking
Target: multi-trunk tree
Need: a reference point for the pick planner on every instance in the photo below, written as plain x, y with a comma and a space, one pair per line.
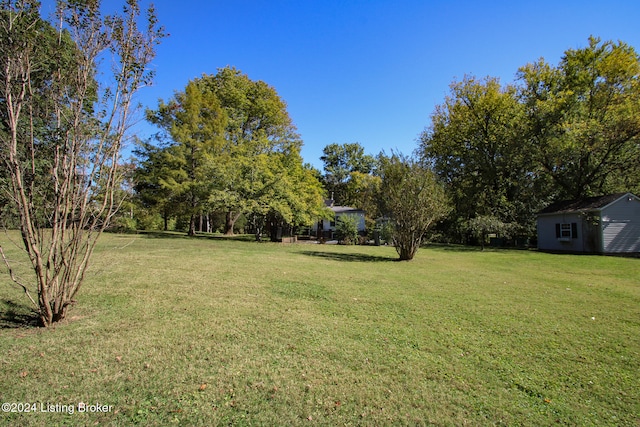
413, 199
62, 126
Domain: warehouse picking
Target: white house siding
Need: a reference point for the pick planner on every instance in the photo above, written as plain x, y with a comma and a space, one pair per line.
547, 239
621, 226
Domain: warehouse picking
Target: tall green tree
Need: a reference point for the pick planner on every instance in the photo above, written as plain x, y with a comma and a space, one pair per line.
61, 129
257, 123
153, 197
194, 123
305, 193
583, 118
476, 144
231, 146
345, 167
412, 197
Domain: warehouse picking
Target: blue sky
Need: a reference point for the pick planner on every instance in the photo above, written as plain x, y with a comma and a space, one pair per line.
372, 71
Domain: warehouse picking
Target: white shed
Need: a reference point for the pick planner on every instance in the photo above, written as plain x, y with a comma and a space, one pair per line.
604, 224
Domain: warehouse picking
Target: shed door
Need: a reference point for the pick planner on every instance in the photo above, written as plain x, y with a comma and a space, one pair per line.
621, 226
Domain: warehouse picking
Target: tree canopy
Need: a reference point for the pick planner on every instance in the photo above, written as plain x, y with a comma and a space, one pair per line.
476, 146
565, 131
583, 118
195, 123
231, 146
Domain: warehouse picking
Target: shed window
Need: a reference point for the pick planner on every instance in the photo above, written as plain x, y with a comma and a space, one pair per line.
565, 231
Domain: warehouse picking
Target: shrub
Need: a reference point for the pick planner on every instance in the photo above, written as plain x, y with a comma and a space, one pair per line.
347, 229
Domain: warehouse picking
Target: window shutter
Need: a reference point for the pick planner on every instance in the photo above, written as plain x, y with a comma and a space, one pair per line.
557, 231
574, 230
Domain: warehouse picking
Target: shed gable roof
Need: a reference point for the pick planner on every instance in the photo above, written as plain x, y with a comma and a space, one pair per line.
582, 205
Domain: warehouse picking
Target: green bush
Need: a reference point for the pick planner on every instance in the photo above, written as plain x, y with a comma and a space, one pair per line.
347, 229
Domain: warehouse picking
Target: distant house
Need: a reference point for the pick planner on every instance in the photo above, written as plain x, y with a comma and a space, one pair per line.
605, 224
326, 228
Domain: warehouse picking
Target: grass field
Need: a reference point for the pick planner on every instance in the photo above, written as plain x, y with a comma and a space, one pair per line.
177, 331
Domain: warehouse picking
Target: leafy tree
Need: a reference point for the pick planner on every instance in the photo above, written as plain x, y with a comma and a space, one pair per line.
476, 145
584, 118
257, 123
194, 122
345, 169
150, 194
60, 133
230, 146
413, 199
299, 200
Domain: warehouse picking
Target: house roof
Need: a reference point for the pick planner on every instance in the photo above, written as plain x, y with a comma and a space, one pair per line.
582, 205
342, 209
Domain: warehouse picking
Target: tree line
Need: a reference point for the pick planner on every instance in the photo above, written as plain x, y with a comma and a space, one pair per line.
501, 152
227, 149
558, 132
504, 152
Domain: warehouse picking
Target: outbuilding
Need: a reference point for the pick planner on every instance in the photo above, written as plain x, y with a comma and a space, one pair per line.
606, 225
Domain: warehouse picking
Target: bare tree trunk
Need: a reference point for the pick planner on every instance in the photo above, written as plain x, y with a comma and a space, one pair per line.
407, 245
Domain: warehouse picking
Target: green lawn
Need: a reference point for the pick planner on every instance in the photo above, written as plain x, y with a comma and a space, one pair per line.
170, 330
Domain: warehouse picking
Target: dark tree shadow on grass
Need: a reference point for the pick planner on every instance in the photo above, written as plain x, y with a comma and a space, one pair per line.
205, 236
336, 256
452, 248
471, 248
164, 235
14, 315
